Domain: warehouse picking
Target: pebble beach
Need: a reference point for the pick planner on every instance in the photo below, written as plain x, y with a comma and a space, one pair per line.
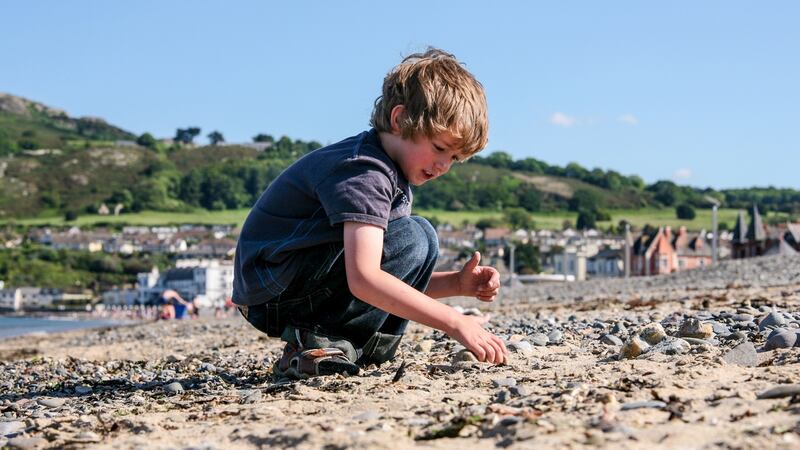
701, 359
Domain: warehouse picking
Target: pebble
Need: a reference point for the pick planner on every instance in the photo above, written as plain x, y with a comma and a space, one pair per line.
773, 319
13, 427
504, 382
253, 397
174, 388
619, 329
85, 437
367, 416
51, 402
743, 354
175, 358
671, 346
693, 328
540, 339
523, 347
26, 442
555, 337
424, 346
610, 339
786, 390
82, 390
651, 404
781, 339
519, 391
464, 356
652, 333
633, 348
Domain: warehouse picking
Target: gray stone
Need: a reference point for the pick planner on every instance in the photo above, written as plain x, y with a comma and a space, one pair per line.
51, 402
743, 354
9, 428
464, 356
540, 339
207, 367
610, 339
773, 319
782, 339
523, 347
26, 442
253, 397
693, 328
652, 333
786, 390
519, 391
174, 388
719, 328
504, 382
84, 437
555, 337
367, 416
619, 329
83, 390
742, 317
175, 358
652, 404
670, 346
696, 341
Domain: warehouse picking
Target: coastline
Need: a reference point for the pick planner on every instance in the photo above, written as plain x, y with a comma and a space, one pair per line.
16, 325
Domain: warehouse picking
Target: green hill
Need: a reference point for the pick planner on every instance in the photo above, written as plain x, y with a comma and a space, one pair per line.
29, 125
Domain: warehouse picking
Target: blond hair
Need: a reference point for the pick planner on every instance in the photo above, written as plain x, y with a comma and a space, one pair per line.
438, 95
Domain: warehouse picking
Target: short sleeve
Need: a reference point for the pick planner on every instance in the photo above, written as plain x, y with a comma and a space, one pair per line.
358, 190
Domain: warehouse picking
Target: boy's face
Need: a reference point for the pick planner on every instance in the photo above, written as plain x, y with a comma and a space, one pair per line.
422, 159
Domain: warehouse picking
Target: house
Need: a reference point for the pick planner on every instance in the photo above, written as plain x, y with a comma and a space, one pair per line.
103, 210
692, 251
570, 262
204, 280
496, 237
32, 298
10, 299
756, 239
609, 262
653, 253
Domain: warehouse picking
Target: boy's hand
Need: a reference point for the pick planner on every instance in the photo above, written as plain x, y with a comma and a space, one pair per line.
481, 282
483, 344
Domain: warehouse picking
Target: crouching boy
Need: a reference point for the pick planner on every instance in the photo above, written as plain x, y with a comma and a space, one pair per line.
330, 259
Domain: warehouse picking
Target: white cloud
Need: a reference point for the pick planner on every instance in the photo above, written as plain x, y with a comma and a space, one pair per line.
682, 174
629, 119
562, 120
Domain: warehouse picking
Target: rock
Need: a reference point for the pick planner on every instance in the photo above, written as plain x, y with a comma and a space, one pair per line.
51, 402
82, 390
719, 328
652, 333
773, 319
633, 348
619, 329
504, 382
84, 437
781, 339
610, 339
464, 356
743, 354
472, 312
523, 347
173, 388
693, 328
540, 339
786, 390
424, 346
653, 404
27, 442
367, 416
253, 397
9, 428
742, 317
555, 337
696, 341
207, 367
670, 346
175, 358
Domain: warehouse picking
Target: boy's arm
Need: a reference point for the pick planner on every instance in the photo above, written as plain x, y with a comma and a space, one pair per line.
363, 247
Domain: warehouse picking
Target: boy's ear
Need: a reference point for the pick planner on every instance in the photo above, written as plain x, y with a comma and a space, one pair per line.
395, 116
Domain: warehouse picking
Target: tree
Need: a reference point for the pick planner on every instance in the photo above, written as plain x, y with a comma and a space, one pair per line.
500, 159
584, 199
186, 136
70, 216
685, 212
215, 137
518, 218
586, 220
147, 140
485, 223
263, 138
526, 258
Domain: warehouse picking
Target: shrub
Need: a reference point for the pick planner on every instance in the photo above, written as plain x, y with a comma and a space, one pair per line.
685, 212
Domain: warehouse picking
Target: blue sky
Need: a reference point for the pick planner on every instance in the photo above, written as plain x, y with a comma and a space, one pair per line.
703, 93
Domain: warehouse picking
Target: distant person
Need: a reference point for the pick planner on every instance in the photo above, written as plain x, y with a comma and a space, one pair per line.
330, 259
173, 306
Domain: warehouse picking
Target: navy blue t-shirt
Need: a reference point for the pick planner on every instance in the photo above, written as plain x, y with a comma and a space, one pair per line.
351, 181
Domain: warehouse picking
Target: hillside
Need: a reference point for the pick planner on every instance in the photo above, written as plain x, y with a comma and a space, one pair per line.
29, 125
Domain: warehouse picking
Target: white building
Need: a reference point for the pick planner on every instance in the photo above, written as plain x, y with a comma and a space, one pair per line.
204, 280
31, 298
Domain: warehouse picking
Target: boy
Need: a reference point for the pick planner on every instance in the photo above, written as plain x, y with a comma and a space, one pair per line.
331, 261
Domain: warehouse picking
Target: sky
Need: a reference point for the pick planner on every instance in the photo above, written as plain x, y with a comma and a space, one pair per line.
700, 93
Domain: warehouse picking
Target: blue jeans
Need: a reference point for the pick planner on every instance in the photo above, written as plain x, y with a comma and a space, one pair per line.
319, 301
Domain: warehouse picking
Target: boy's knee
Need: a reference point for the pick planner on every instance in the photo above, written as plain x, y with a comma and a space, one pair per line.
413, 238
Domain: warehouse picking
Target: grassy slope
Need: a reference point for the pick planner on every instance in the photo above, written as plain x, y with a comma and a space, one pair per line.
554, 220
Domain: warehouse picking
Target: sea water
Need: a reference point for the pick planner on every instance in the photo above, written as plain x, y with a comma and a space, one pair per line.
17, 326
